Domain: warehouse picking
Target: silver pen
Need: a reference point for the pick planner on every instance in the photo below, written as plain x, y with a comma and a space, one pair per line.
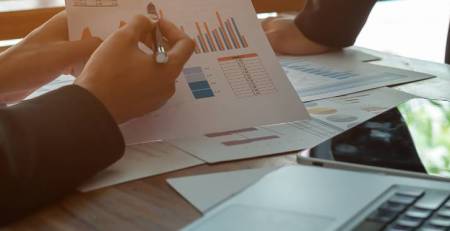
160, 51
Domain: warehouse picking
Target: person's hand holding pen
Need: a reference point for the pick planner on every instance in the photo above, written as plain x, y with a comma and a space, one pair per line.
125, 79
158, 49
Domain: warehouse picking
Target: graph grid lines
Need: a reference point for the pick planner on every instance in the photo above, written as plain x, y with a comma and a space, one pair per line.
247, 75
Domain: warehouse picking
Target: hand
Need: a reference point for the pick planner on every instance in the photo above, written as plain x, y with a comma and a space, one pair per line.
126, 80
40, 57
286, 38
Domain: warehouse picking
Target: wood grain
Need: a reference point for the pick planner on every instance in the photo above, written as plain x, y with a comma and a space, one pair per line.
148, 204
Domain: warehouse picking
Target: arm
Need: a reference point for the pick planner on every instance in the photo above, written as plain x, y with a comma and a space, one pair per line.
334, 23
51, 144
323, 25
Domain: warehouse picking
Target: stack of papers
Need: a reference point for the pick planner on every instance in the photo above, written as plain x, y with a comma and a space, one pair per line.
232, 87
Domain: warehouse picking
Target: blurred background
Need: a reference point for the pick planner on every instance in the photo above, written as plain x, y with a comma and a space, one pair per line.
413, 28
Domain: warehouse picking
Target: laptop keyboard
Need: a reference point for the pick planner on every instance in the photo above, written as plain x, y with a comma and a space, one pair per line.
411, 209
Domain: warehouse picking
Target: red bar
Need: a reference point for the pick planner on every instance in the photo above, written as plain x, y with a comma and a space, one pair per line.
229, 58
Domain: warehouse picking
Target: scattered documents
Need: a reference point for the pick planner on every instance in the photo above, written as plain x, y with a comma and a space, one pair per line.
142, 160
326, 78
204, 191
233, 80
330, 117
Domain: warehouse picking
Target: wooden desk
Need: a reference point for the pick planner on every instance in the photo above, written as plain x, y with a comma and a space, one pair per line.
148, 204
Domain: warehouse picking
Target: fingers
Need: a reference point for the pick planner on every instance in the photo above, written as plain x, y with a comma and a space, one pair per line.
67, 53
171, 31
139, 28
182, 45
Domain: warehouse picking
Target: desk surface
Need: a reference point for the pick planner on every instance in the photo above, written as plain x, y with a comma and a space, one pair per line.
150, 203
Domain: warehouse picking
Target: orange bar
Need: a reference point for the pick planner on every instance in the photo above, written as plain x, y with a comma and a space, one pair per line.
161, 14
245, 41
233, 35
202, 38
219, 39
229, 58
227, 40
209, 36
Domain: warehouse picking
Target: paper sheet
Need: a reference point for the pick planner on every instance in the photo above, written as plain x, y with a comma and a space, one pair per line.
233, 69
334, 77
140, 161
219, 186
330, 117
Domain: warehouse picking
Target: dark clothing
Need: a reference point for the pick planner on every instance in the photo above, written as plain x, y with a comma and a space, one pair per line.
51, 144
337, 23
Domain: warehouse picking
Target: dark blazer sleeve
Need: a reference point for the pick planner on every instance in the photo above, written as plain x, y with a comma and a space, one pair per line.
334, 23
51, 144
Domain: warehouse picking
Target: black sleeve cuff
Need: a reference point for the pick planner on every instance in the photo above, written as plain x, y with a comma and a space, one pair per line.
51, 144
334, 23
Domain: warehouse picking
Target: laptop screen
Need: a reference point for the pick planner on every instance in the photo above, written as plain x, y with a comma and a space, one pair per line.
414, 136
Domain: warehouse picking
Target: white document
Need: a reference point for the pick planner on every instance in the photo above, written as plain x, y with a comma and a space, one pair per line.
204, 191
330, 117
140, 161
233, 80
316, 79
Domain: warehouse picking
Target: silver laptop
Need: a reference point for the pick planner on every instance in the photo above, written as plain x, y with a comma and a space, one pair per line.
313, 198
407, 150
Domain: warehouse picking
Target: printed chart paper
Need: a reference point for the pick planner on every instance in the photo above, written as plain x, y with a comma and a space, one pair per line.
139, 161
330, 117
233, 80
333, 77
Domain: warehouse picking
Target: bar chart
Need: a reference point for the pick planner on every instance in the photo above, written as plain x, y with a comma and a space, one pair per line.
95, 3
226, 35
322, 71
198, 83
247, 75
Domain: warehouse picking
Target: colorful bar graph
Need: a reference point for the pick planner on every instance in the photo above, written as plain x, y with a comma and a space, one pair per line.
197, 82
226, 36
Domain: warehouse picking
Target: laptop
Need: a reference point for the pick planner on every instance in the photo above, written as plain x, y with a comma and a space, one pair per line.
313, 198
391, 195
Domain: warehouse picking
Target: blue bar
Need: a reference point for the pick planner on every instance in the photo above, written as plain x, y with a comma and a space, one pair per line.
237, 31
217, 41
192, 70
201, 85
211, 47
203, 94
201, 44
223, 37
231, 36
